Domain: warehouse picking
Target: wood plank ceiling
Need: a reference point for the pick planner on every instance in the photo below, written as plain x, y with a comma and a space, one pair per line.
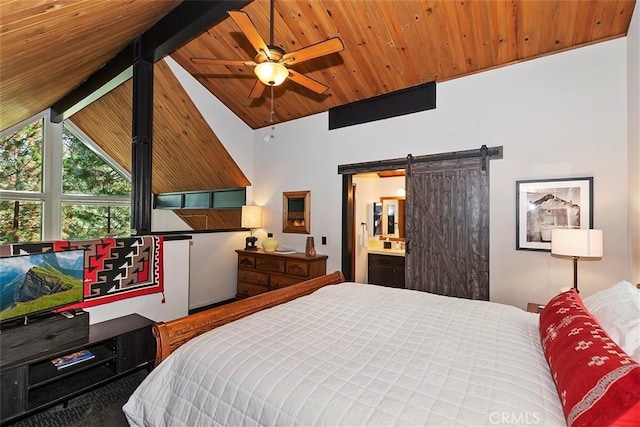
391, 45
49, 47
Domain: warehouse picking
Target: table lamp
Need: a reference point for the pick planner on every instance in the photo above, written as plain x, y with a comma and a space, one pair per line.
251, 218
576, 243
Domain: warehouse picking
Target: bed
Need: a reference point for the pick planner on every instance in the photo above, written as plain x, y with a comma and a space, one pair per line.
330, 353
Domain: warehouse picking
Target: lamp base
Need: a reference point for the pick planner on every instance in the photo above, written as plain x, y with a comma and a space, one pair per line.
250, 243
575, 273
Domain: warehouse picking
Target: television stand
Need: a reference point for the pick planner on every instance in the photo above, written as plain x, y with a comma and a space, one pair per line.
36, 335
32, 383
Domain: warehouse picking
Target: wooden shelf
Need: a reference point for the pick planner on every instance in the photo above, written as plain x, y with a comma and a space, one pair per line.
45, 372
32, 382
62, 388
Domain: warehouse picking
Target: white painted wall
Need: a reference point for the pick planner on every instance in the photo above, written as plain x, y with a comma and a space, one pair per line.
166, 220
559, 116
367, 191
212, 272
214, 267
176, 291
633, 136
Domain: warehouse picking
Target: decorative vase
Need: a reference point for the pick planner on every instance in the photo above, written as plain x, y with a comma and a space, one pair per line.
310, 249
270, 243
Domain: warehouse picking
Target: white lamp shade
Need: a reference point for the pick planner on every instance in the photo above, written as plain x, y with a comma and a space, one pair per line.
271, 73
576, 242
251, 216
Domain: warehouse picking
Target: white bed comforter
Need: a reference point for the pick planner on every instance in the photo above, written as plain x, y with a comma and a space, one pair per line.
354, 354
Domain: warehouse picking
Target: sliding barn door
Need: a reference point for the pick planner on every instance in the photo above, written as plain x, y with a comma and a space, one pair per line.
448, 227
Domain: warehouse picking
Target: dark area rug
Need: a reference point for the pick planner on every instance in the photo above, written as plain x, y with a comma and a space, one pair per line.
101, 407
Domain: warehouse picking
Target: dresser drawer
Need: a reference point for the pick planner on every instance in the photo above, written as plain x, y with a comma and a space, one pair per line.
278, 281
260, 271
298, 268
250, 289
254, 277
270, 264
246, 261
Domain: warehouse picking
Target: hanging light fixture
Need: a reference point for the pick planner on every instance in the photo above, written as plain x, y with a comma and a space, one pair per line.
271, 73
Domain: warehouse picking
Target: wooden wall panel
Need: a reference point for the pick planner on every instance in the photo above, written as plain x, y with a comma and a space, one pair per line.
187, 155
211, 219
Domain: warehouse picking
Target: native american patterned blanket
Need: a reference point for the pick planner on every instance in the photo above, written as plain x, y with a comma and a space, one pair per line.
114, 268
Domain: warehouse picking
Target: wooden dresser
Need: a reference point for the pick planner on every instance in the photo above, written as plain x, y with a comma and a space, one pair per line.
260, 271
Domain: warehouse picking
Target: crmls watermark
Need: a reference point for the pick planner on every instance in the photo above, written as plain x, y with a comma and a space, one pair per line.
514, 418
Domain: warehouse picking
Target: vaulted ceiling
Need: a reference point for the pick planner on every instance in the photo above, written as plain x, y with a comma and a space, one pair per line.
50, 47
391, 45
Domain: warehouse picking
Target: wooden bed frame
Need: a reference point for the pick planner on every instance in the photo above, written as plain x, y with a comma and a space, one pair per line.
171, 335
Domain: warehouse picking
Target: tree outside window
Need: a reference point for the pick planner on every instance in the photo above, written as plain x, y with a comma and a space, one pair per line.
94, 198
20, 221
20, 172
84, 172
21, 159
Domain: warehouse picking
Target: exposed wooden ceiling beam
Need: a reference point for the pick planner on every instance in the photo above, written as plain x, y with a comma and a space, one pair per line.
110, 76
188, 20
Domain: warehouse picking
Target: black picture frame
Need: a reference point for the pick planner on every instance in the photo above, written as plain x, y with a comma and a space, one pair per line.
544, 204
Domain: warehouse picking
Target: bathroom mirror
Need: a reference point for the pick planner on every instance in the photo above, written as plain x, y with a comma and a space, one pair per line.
296, 216
389, 217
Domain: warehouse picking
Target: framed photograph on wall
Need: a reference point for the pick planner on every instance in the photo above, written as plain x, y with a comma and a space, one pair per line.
545, 204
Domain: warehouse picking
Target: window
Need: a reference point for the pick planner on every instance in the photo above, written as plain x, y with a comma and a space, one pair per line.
21, 153
87, 221
21, 172
77, 193
84, 172
101, 206
20, 220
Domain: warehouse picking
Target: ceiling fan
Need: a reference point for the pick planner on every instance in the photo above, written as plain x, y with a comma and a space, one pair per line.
271, 62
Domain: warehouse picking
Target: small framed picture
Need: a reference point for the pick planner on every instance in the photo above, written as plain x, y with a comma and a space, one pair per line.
545, 204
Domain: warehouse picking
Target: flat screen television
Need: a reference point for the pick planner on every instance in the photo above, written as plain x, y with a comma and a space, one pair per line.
36, 284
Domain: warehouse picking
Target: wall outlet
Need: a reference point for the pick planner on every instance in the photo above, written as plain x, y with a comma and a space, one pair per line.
324, 240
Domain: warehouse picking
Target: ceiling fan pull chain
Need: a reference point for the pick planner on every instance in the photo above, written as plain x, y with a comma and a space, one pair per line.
271, 118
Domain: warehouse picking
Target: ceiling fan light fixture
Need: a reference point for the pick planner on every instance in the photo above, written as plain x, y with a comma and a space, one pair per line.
271, 73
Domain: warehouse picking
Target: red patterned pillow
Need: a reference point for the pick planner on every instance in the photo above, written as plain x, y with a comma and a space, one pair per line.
598, 383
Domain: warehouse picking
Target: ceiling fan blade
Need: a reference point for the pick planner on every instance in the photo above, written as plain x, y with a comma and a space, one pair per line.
258, 89
231, 62
243, 21
308, 82
314, 51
